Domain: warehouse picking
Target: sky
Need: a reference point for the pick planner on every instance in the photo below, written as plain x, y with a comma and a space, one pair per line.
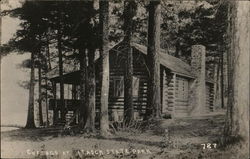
14, 99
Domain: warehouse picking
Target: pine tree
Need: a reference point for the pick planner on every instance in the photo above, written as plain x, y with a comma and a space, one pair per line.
104, 52
129, 11
91, 83
153, 93
237, 121
30, 118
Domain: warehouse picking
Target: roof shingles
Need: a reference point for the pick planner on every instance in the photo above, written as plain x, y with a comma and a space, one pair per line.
176, 65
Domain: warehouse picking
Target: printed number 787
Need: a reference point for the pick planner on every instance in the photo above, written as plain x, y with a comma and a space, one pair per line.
209, 146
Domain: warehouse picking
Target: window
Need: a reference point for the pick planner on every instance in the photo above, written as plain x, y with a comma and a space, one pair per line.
117, 86
57, 90
67, 91
135, 86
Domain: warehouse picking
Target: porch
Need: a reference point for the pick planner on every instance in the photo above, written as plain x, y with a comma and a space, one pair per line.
72, 107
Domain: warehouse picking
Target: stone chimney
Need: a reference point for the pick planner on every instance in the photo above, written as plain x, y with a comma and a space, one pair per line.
198, 88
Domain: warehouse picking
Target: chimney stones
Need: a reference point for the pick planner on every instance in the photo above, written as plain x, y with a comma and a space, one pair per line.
198, 88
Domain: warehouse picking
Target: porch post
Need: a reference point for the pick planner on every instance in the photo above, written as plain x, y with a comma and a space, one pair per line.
73, 91
74, 101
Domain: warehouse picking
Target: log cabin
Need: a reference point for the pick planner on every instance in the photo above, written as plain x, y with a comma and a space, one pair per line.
185, 89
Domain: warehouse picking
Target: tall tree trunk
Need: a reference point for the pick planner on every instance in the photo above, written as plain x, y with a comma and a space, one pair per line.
178, 49
40, 95
153, 93
30, 118
237, 121
83, 90
48, 53
48, 68
59, 45
222, 78
104, 52
227, 128
46, 101
90, 123
55, 113
129, 10
216, 85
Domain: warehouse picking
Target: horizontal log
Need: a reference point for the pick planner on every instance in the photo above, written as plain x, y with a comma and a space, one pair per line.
120, 107
122, 103
170, 109
142, 109
178, 111
171, 98
171, 101
170, 93
141, 96
165, 93
181, 100
181, 106
170, 89
112, 97
170, 105
170, 82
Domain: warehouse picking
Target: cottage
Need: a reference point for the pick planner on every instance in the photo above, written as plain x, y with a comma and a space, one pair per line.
185, 89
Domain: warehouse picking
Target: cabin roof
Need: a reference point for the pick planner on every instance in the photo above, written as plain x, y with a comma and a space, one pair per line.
68, 67
176, 65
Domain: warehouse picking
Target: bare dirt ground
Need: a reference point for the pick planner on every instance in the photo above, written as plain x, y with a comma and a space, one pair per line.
168, 138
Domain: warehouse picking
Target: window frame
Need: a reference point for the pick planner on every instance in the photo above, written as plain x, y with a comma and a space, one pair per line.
120, 79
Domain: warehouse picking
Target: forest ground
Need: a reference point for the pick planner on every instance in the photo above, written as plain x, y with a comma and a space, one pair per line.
168, 138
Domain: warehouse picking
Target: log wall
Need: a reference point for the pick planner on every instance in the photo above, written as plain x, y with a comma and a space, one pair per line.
181, 96
170, 93
209, 97
116, 104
